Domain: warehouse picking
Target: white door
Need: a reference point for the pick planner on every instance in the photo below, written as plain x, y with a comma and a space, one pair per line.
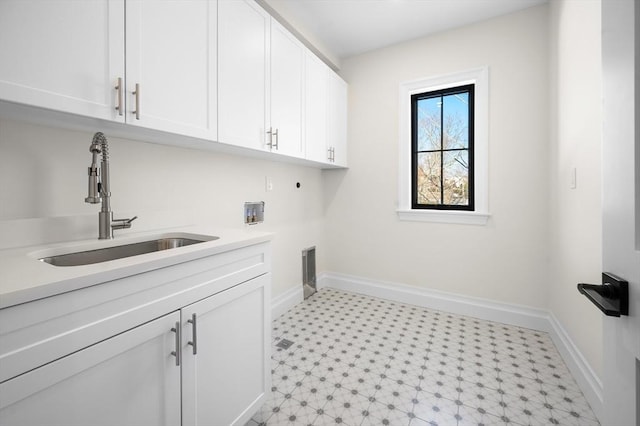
129, 379
226, 374
621, 209
243, 73
63, 55
171, 60
287, 63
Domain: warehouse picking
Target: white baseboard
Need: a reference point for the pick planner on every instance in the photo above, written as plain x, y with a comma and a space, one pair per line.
287, 300
522, 316
587, 379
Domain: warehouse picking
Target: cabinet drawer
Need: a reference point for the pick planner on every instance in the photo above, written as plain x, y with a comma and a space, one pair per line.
35, 333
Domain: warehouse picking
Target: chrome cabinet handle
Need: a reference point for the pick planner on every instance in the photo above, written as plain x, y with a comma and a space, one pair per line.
272, 133
194, 333
137, 95
275, 133
176, 353
331, 154
270, 142
119, 92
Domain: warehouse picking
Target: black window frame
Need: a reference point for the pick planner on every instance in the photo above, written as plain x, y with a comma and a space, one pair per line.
466, 88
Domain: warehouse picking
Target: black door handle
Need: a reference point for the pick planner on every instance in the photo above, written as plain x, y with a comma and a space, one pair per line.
612, 297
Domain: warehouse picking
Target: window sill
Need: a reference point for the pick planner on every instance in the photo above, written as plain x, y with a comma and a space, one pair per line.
439, 216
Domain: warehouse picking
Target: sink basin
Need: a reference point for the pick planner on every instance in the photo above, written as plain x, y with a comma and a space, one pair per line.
127, 250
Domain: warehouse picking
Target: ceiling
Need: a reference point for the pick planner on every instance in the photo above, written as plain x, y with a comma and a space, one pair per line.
351, 27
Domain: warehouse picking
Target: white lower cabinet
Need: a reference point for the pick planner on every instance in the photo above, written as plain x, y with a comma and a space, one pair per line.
129, 379
224, 371
182, 345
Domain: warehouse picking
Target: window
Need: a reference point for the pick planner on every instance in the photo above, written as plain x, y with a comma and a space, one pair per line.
445, 182
442, 147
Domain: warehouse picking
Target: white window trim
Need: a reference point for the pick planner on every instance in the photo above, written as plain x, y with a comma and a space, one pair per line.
480, 216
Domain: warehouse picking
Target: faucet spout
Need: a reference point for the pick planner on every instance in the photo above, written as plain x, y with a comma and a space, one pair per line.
99, 188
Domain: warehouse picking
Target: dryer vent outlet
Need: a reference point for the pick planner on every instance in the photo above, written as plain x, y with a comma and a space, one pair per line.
309, 271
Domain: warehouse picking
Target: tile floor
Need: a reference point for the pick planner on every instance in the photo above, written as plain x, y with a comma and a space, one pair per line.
358, 360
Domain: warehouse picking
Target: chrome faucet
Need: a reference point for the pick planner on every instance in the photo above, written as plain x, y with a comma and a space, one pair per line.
99, 189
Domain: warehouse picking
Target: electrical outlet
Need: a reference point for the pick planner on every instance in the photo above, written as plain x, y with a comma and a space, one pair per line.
268, 184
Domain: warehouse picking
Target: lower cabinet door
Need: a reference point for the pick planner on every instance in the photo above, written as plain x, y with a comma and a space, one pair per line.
226, 374
128, 380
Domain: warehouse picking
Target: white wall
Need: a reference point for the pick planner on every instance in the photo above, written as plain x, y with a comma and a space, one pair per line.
576, 132
43, 181
507, 260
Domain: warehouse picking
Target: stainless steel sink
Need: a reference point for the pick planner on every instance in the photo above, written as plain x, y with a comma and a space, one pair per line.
118, 252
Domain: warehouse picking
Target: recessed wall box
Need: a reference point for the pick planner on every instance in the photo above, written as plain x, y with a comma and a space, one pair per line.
309, 271
253, 212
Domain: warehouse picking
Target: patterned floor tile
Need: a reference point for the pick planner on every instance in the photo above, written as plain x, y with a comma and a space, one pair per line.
360, 361
384, 413
294, 413
440, 411
469, 416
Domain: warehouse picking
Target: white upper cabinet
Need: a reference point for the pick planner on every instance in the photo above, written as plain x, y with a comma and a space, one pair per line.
325, 114
171, 66
243, 72
337, 120
287, 86
62, 55
214, 70
316, 88
69, 56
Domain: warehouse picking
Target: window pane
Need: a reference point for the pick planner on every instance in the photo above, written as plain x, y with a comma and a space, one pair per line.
456, 121
429, 124
456, 177
428, 178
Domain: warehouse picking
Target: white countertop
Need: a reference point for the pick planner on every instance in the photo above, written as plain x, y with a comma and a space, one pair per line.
23, 277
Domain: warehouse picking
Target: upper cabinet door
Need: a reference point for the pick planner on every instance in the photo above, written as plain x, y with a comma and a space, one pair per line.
337, 120
316, 88
171, 66
243, 73
64, 55
287, 72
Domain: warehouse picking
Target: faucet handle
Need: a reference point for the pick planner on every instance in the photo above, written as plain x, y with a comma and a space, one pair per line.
122, 223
